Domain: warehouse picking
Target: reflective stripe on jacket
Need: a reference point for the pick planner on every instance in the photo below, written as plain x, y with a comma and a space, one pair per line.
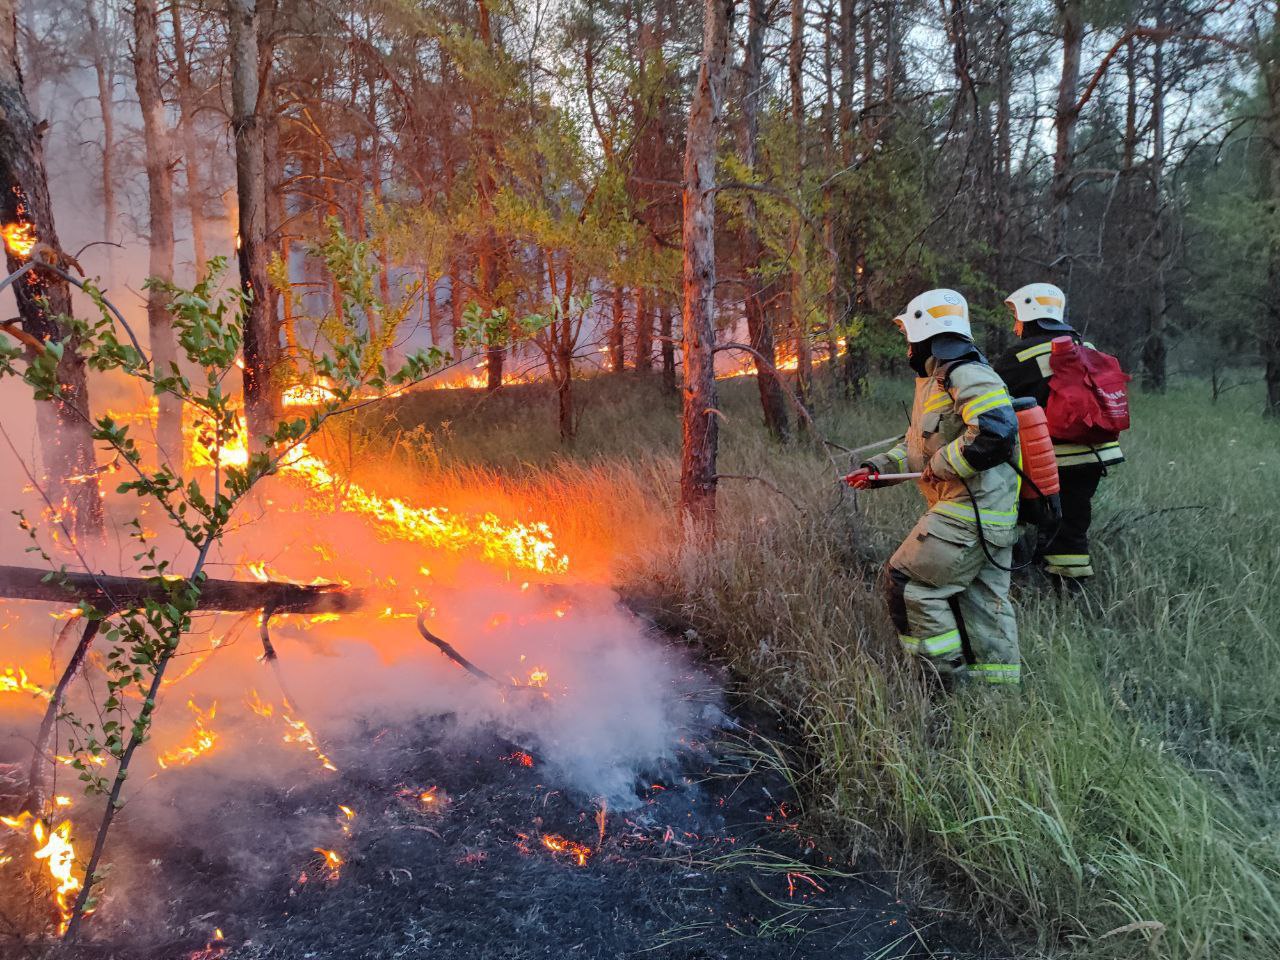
964, 429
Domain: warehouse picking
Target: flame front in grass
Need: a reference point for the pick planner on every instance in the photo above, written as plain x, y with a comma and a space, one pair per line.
558, 844
56, 849
529, 545
201, 741
15, 680
20, 238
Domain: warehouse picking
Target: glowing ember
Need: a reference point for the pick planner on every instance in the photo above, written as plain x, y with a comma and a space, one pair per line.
332, 861
520, 758
200, 742
561, 845
538, 677
16, 681
20, 238
56, 849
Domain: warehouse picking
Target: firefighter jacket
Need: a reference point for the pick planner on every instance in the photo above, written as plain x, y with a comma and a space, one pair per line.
964, 430
1025, 368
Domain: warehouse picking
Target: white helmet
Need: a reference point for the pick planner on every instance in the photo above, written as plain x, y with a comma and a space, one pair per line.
1039, 303
935, 312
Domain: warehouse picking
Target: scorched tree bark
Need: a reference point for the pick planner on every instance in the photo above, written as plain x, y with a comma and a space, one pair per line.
701, 429
64, 427
261, 339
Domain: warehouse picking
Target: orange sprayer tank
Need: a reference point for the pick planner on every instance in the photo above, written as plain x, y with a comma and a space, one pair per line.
1038, 460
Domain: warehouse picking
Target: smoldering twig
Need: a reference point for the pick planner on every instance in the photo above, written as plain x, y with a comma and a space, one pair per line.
449, 651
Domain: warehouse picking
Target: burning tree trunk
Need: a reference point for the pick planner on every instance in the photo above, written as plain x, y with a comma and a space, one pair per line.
27, 216
759, 327
159, 164
261, 341
122, 593
701, 429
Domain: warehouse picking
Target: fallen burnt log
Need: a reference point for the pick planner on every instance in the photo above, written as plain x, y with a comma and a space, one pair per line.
114, 594
124, 593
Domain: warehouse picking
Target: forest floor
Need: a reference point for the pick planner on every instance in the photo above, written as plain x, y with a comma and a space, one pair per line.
709, 865
1124, 803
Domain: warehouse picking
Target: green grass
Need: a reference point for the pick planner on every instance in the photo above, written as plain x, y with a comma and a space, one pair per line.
1134, 784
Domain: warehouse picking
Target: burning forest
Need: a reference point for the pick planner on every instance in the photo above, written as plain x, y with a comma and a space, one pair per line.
439, 514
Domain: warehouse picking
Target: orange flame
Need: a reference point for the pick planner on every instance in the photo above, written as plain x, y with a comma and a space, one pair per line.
56, 849
202, 739
20, 238
558, 844
14, 680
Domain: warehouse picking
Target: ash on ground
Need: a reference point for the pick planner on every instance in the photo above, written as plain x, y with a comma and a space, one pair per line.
439, 841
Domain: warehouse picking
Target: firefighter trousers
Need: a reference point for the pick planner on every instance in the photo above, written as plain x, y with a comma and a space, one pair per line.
1067, 552
950, 604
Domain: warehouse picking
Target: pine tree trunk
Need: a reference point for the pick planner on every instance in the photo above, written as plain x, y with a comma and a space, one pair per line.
65, 433
644, 332
668, 348
797, 301
159, 160
1154, 350
1071, 26
617, 332
759, 325
106, 109
700, 418
261, 340
190, 149
1269, 345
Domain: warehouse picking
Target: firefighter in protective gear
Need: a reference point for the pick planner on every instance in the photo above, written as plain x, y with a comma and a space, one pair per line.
1039, 314
947, 585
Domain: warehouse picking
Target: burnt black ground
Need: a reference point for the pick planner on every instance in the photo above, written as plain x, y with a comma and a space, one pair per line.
467, 875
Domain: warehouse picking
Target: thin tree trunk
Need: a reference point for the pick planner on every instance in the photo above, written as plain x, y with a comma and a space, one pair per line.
644, 332
159, 166
1269, 55
261, 340
700, 419
1071, 26
106, 107
66, 438
759, 327
190, 149
487, 260
1154, 350
617, 332
797, 301
668, 348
